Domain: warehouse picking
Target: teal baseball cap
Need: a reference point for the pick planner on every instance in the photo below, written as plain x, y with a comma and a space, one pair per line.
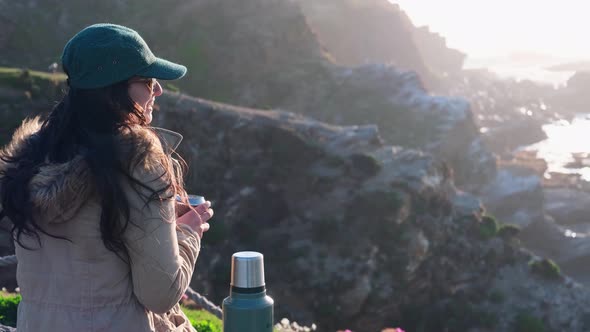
103, 54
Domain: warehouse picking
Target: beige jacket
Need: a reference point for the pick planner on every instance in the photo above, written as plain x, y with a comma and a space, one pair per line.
82, 286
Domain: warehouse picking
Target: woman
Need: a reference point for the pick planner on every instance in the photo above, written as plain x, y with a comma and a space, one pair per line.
90, 192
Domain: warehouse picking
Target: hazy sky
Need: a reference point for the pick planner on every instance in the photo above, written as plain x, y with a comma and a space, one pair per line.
497, 27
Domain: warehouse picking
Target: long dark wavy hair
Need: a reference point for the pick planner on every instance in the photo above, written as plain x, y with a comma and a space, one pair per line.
86, 122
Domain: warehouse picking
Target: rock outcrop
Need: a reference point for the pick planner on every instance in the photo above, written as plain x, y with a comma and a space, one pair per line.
550, 211
4, 328
437, 56
406, 114
509, 113
358, 222
515, 196
356, 233
574, 96
357, 32
277, 62
360, 32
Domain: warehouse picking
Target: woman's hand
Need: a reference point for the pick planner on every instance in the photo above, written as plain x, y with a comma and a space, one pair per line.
181, 208
196, 218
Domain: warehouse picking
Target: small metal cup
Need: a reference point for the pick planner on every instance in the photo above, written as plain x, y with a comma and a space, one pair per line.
195, 200
247, 270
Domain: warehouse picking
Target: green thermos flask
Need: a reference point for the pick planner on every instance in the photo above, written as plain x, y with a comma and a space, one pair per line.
247, 308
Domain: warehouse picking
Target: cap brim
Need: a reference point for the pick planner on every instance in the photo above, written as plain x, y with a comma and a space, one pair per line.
163, 70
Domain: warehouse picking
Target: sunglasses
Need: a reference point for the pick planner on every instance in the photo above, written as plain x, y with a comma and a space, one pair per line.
149, 82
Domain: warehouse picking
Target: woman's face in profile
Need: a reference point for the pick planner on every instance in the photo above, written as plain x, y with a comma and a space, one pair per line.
144, 91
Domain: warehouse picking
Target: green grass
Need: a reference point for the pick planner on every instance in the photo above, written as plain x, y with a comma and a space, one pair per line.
8, 308
33, 83
202, 320
16, 77
10, 71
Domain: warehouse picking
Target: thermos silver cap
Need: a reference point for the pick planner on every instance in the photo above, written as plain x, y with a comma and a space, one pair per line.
247, 269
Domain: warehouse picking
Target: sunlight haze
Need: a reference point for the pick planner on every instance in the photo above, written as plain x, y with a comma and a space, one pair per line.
491, 28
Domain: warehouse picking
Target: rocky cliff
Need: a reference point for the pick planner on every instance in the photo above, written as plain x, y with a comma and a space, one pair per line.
405, 113
264, 54
356, 233
437, 56
359, 32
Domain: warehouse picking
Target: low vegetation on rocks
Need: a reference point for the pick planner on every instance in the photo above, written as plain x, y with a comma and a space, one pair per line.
524, 322
546, 268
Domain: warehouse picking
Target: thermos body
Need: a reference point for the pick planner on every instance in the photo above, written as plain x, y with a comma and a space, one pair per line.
248, 312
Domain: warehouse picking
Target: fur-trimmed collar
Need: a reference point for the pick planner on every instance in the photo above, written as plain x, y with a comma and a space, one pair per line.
58, 190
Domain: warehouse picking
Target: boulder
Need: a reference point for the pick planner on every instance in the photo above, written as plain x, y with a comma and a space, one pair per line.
358, 222
568, 206
4, 328
406, 115
515, 195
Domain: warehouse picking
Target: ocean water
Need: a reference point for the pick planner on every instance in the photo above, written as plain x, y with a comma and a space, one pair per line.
565, 140
534, 69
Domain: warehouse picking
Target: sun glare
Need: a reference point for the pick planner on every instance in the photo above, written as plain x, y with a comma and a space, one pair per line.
484, 27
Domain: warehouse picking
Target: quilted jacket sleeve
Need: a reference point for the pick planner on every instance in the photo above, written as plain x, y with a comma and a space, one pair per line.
162, 253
